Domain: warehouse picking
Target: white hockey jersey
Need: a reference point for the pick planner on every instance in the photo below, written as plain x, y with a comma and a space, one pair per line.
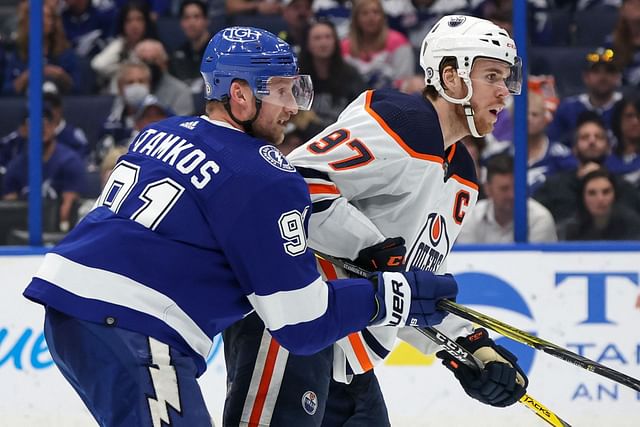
382, 171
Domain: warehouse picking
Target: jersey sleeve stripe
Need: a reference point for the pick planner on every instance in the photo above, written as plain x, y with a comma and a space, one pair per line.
284, 308
312, 173
323, 189
360, 351
374, 344
394, 135
465, 182
124, 291
323, 205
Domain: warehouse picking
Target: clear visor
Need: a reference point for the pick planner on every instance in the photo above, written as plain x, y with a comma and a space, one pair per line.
505, 75
295, 93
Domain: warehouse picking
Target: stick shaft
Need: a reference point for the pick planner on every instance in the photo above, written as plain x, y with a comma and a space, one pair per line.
539, 343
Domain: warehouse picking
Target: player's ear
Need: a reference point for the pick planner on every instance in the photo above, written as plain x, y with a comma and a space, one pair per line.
451, 82
237, 91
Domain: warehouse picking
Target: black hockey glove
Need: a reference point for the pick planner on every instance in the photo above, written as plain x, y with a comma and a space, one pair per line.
501, 383
385, 256
411, 298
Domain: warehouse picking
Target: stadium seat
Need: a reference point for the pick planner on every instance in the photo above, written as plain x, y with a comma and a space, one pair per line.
170, 33
89, 113
565, 63
593, 25
561, 22
12, 111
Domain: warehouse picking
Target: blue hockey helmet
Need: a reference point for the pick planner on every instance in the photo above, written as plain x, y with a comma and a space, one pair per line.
256, 56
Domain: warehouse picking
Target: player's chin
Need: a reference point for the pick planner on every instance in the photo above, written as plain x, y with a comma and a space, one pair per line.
484, 127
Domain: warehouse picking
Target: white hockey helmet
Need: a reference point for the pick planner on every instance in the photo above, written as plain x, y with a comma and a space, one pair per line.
467, 38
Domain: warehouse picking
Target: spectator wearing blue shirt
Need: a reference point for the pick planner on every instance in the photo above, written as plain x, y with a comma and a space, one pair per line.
15, 142
561, 192
545, 157
59, 59
625, 123
63, 174
602, 79
88, 27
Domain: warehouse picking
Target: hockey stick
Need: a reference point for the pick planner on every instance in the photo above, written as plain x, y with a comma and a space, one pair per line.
539, 344
511, 332
463, 356
457, 351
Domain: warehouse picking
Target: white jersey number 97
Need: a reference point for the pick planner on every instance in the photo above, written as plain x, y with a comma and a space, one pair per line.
292, 230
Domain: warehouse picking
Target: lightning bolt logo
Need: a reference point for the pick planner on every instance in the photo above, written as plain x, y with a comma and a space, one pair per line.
165, 384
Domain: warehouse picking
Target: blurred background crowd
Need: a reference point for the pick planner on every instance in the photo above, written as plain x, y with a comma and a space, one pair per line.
113, 66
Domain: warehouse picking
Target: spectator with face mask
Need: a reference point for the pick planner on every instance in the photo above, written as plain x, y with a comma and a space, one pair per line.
134, 84
169, 90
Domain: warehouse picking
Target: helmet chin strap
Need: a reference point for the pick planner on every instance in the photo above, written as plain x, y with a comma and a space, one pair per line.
247, 125
466, 105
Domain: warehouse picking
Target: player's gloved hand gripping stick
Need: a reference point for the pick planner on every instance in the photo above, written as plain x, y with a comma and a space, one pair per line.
511, 332
473, 365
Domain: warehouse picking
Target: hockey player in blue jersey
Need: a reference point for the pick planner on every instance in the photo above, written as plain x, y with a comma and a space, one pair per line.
201, 223
391, 187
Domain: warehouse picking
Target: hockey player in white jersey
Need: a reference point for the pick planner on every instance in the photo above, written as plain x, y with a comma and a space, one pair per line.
202, 222
391, 171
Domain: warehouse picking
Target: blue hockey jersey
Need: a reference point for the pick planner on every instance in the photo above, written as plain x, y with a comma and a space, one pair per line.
198, 225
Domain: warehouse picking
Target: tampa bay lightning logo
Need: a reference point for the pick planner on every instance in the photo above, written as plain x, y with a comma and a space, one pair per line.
456, 20
486, 290
272, 155
241, 34
310, 402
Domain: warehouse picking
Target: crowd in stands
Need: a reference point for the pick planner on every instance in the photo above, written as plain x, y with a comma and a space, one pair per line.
113, 66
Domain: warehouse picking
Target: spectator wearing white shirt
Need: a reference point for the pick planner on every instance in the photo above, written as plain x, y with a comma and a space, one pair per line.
491, 221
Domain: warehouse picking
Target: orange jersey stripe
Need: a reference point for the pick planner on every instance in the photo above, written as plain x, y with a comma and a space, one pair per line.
361, 353
323, 189
452, 152
465, 182
394, 135
328, 269
263, 388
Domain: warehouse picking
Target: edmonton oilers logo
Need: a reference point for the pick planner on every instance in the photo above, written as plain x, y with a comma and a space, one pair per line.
310, 402
486, 291
272, 155
437, 227
456, 20
241, 34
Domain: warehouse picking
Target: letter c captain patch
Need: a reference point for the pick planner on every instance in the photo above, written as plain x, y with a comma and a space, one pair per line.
272, 155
